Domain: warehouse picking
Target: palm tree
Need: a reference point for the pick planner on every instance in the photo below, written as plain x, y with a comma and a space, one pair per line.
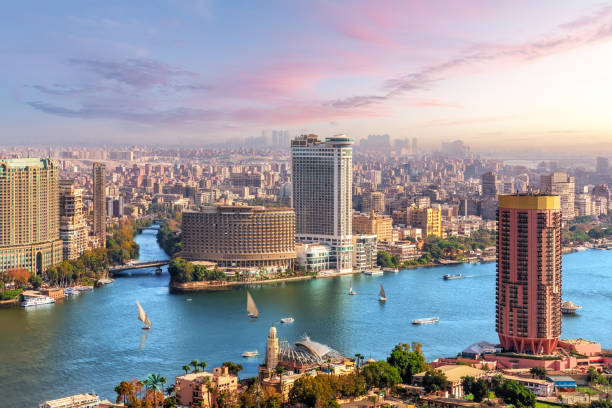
196, 365
203, 365
122, 391
280, 370
186, 368
155, 383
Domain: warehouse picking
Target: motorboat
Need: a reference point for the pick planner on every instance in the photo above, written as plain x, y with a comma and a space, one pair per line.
451, 277
253, 353
569, 308
426, 320
373, 272
287, 320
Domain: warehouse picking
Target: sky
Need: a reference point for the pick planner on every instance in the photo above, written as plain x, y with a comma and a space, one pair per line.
517, 75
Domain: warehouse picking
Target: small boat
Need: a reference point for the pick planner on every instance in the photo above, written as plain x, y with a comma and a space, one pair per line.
427, 320
253, 353
394, 270
71, 292
142, 316
188, 300
373, 272
251, 307
36, 301
287, 320
569, 308
351, 291
382, 297
451, 277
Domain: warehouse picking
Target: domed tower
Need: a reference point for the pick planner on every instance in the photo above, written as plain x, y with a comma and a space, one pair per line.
272, 350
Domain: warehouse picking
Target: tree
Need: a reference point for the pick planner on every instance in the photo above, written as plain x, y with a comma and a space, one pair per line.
381, 374
311, 391
233, 368
434, 380
196, 365
19, 276
384, 259
538, 372
35, 281
478, 388
186, 368
516, 394
408, 360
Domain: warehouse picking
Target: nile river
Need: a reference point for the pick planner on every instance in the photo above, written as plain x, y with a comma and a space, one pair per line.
92, 342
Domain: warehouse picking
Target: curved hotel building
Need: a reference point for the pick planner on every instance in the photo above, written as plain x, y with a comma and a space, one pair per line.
240, 236
29, 214
529, 273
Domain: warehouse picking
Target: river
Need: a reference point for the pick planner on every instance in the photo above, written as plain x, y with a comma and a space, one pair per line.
92, 342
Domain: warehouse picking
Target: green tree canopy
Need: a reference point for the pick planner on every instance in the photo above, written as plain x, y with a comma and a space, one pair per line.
408, 360
381, 374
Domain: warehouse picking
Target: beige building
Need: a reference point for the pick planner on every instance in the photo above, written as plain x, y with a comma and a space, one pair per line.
29, 214
365, 251
73, 227
193, 389
373, 224
454, 374
99, 202
240, 236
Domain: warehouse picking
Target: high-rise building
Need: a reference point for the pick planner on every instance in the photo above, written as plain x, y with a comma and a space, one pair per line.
29, 214
365, 250
99, 202
73, 227
322, 175
559, 183
529, 273
489, 185
373, 201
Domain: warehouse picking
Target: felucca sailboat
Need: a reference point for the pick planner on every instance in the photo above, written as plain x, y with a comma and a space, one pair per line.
381, 295
251, 308
142, 316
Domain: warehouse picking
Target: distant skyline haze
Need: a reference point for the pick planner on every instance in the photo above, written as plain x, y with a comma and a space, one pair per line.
502, 76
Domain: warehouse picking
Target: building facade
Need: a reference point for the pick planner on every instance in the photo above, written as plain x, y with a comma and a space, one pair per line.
365, 251
373, 224
99, 200
193, 389
373, 201
529, 273
29, 214
240, 236
428, 219
322, 175
73, 226
559, 183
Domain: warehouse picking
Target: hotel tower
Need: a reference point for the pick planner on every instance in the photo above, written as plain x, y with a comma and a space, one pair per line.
322, 175
528, 290
99, 203
29, 214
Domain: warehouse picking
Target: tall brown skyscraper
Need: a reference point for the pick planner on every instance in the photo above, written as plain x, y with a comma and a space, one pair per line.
529, 273
73, 227
29, 214
99, 199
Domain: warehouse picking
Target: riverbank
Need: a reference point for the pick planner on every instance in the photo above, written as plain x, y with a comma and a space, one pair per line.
221, 285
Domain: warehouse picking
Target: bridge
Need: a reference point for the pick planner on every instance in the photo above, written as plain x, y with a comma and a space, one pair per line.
139, 265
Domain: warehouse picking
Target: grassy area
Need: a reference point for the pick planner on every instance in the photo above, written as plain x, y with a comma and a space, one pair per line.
586, 390
540, 404
10, 294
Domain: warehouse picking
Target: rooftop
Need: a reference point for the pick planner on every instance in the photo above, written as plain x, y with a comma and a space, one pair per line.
72, 401
455, 373
26, 162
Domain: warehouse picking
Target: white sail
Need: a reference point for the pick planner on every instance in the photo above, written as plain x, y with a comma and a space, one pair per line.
382, 292
251, 308
142, 316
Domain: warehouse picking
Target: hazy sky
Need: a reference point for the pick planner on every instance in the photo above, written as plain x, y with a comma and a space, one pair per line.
506, 75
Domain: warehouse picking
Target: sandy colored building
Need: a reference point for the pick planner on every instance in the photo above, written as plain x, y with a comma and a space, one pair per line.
240, 236
428, 219
373, 224
73, 226
454, 374
99, 203
29, 214
193, 389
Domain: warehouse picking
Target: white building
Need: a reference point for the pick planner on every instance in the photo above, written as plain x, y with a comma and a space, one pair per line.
312, 256
322, 175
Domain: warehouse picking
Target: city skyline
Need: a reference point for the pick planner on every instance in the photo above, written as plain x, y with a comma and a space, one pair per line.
488, 73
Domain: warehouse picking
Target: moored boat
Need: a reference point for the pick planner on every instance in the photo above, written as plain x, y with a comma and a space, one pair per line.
426, 320
253, 353
373, 272
36, 301
394, 270
569, 308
